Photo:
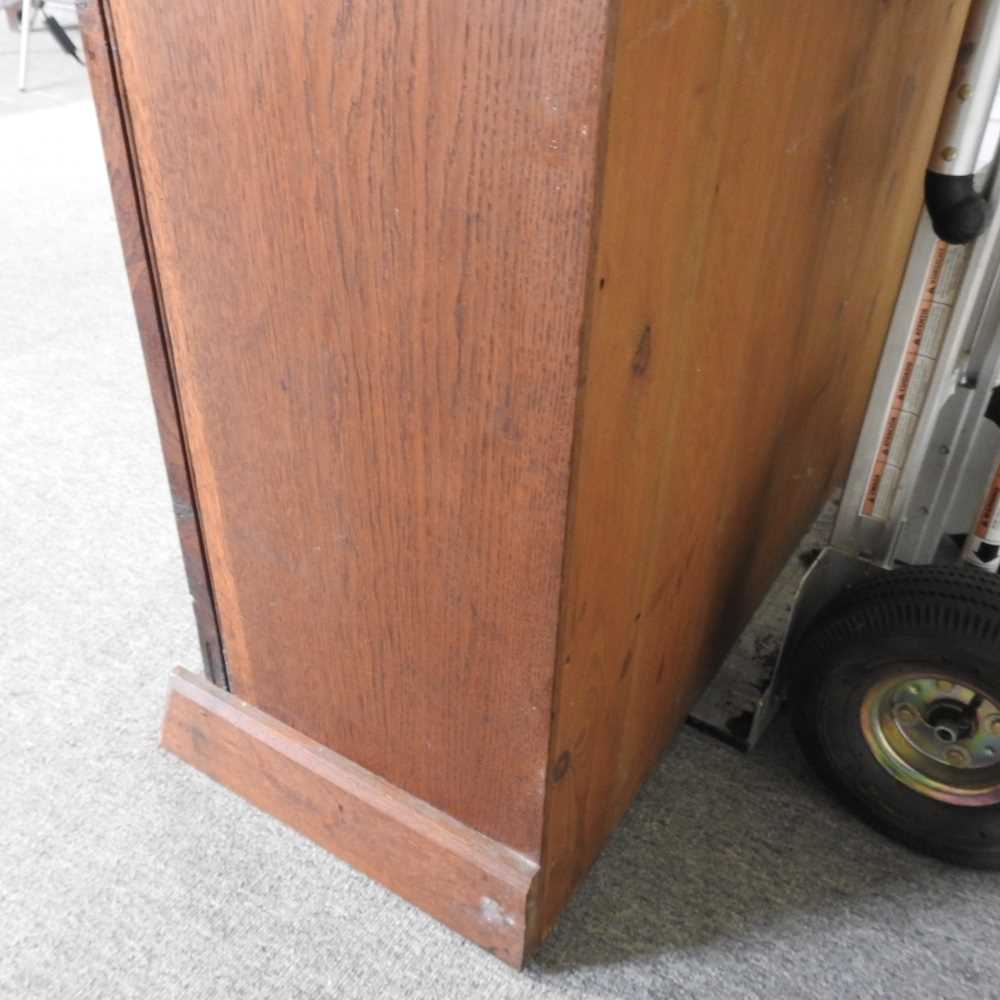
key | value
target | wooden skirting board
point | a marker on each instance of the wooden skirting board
(480, 888)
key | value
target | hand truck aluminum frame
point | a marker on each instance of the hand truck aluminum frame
(924, 485)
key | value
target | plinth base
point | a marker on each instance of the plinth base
(476, 886)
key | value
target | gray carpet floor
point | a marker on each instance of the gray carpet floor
(125, 874)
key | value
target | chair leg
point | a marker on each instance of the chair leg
(27, 18)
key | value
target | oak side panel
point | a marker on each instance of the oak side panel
(476, 886)
(765, 160)
(127, 200)
(372, 224)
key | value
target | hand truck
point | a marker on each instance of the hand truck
(891, 657)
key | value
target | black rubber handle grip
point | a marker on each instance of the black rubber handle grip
(957, 210)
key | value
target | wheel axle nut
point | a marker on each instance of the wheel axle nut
(955, 756)
(906, 714)
(994, 723)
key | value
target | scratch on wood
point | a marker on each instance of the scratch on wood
(493, 913)
(663, 25)
(830, 116)
(183, 510)
(640, 360)
(562, 766)
(626, 666)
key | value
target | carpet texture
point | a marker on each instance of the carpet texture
(125, 874)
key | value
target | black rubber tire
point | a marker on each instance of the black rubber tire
(942, 616)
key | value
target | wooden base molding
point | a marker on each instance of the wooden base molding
(472, 884)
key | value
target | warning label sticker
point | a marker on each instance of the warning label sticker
(988, 525)
(930, 323)
(897, 437)
(881, 489)
(947, 270)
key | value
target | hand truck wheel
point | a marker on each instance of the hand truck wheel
(895, 695)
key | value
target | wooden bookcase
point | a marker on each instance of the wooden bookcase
(501, 351)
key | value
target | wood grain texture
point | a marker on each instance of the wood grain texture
(500, 409)
(763, 181)
(373, 224)
(127, 199)
(476, 886)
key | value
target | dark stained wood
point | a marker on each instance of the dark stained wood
(372, 224)
(764, 170)
(476, 886)
(126, 197)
